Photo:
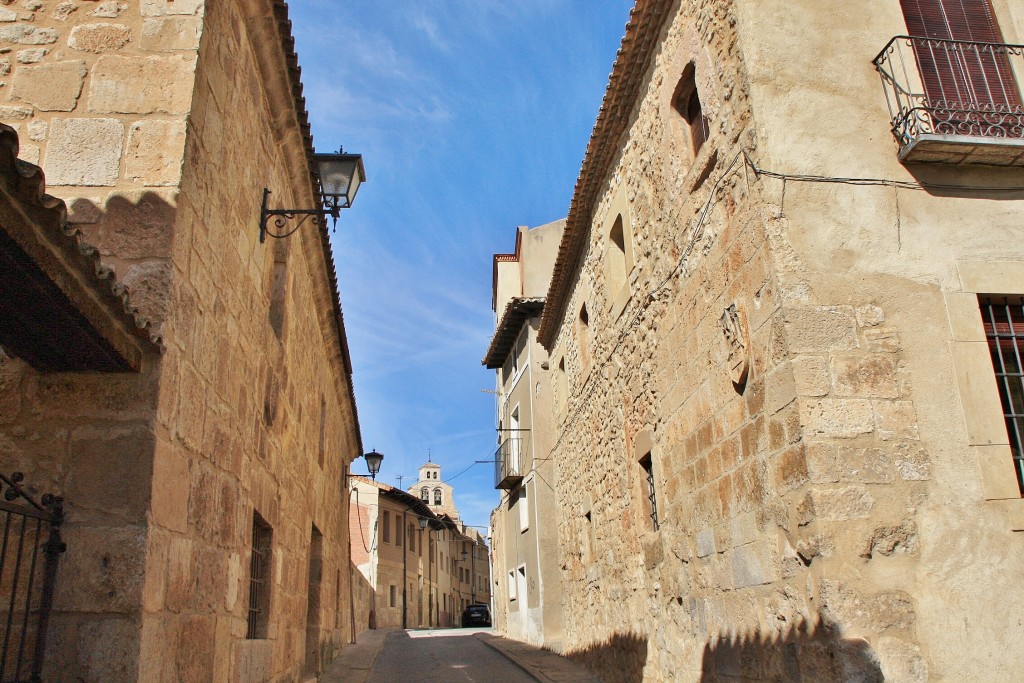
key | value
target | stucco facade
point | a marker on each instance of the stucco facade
(781, 451)
(524, 525)
(159, 123)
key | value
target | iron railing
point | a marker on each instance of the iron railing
(951, 87)
(508, 464)
(1003, 320)
(27, 581)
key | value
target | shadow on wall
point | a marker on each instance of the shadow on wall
(807, 653)
(619, 659)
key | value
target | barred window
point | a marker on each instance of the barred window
(259, 579)
(1004, 328)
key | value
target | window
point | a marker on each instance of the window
(1003, 319)
(398, 531)
(615, 258)
(649, 492)
(583, 334)
(312, 665)
(386, 528)
(686, 101)
(259, 579)
(959, 76)
(411, 535)
(278, 287)
(512, 586)
(323, 431)
(392, 598)
(562, 386)
(437, 497)
(425, 493)
(524, 513)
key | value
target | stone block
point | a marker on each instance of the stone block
(820, 328)
(979, 395)
(882, 340)
(706, 543)
(985, 277)
(869, 315)
(149, 283)
(31, 56)
(964, 312)
(139, 224)
(97, 453)
(869, 376)
(169, 507)
(253, 660)
(64, 10)
(754, 565)
(108, 650)
(84, 152)
(50, 87)
(811, 374)
(26, 34)
(837, 418)
(103, 570)
(157, 8)
(864, 465)
(8, 114)
(169, 34)
(745, 529)
(791, 468)
(901, 662)
(109, 9)
(900, 539)
(99, 37)
(912, 462)
(155, 152)
(998, 478)
(850, 502)
(7, 15)
(37, 130)
(142, 85)
(822, 466)
(194, 655)
(895, 420)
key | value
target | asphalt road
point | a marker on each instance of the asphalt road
(443, 656)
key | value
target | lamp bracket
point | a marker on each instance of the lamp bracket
(275, 222)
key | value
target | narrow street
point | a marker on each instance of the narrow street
(448, 656)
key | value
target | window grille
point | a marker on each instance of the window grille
(1004, 328)
(652, 501)
(259, 579)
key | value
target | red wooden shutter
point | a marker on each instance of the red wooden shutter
(961, 77)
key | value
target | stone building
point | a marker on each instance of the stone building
(196, 412)
(412, 559)
(433, 491)
(782, 451)
(528, 596)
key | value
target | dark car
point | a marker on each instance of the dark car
(476, 615)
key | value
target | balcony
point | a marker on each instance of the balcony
(954, 101)
(508, 464)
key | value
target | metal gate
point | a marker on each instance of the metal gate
(29, 552)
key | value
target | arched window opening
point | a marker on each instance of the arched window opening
(425, 495)
(437, 497)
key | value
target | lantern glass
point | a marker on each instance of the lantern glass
(373, 461)
(340, 178)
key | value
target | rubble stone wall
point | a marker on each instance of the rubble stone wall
(813, 517)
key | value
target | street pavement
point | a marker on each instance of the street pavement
(448, 656)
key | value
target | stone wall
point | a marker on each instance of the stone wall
(160, 123)
(786, 362)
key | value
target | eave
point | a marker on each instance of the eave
(517, 312)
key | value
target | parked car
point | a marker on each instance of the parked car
(476, 615)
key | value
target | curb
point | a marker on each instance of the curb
(543, 665)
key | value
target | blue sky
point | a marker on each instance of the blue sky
(472, 117)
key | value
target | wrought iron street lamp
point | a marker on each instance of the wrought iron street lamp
(373, 461)
(341, 176)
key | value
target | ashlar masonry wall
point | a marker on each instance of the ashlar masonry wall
(160, 123)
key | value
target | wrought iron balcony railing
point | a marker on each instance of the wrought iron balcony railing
(954, 101)
(509, 462)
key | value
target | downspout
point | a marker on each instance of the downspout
(351, 580)
(405, 572)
